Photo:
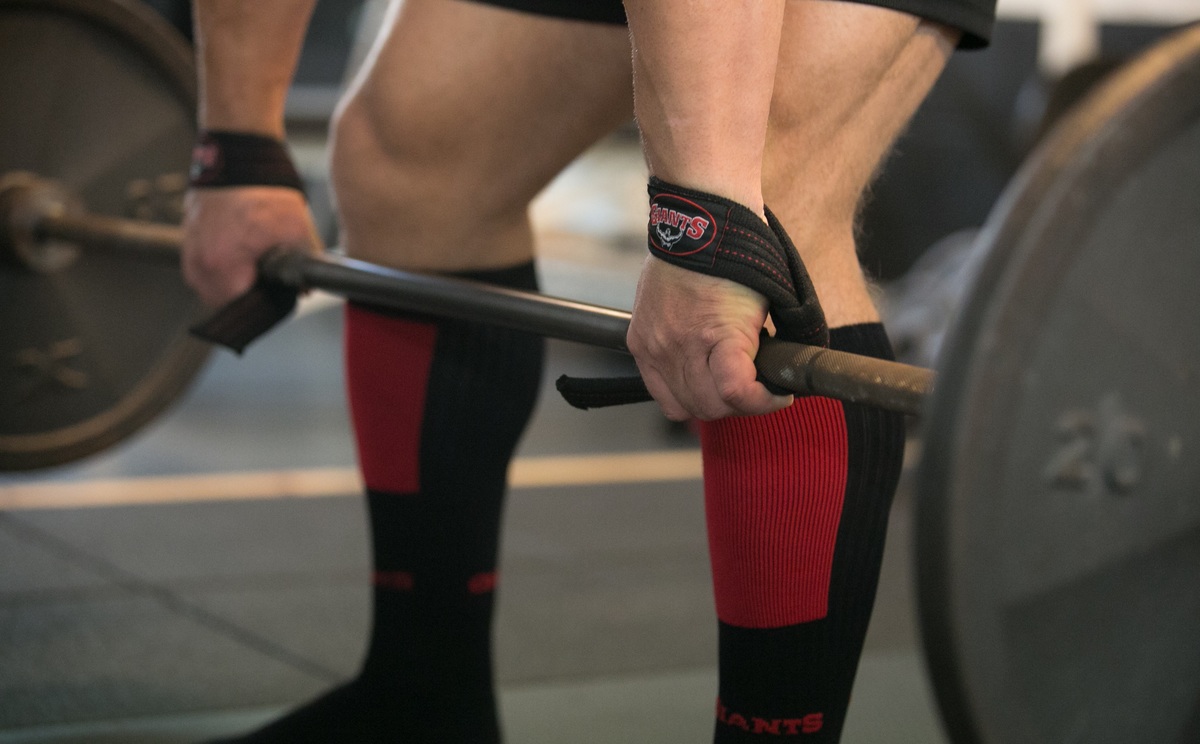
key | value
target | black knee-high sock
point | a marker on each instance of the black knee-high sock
(437, 409)
(797, 507)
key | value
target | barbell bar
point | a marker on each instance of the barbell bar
(36, 214)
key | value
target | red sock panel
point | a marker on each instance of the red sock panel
(387, 362)
(773, 488)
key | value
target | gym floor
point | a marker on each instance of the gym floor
(212, 572)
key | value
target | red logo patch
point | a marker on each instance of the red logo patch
(680, 226)
(206, 161)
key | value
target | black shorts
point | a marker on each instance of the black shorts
(973, 17)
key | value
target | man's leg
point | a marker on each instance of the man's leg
(798, 500)
(849, 79)
(464, 113)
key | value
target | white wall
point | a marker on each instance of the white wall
(1118, 11)
(1069, 32)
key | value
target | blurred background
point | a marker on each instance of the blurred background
(212, 571)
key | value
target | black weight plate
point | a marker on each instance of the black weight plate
(1058, 520)
(98, 95)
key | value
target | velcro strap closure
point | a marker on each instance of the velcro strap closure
(716, 236)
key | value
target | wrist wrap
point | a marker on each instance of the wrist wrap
(713, 235)
(223, 158)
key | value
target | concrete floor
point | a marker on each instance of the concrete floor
(199, 603)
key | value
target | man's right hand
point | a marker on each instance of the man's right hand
(227, 230)
(694, 338)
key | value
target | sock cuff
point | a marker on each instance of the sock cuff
(518, 276)
(521, 276)
(868, 339)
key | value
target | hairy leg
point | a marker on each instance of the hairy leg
(703, 71)
(849, 78)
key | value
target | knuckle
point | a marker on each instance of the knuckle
(709, 337)
(633, 341)
(649, 345)
(674, 413)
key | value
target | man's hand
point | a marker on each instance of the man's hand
(227, 230)
(694, 338)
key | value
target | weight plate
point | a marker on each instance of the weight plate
(98, 95)
(1058, 518)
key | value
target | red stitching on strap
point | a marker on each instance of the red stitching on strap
(758, 239)
(759, 262)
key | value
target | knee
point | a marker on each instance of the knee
(415, 193)
(369, 175)
(397, 178)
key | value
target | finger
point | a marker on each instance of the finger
(699, 392)
(217, 281)
(236, 282)
(736, 379)
(217, 285)
(661, 392)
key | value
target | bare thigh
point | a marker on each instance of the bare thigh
(850, 77)
(464, 113)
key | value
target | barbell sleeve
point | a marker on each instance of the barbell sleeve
(115, 233)
(854, 378)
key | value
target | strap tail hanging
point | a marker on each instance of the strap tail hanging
(246, 318)
(599, 392)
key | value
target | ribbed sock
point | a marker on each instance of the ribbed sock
(437, 410)
(797, 505)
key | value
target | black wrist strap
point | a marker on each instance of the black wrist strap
(222, 159)
(716, 236)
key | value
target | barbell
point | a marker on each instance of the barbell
(1058, 492)
(46, 230)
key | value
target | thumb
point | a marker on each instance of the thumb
(736, 379)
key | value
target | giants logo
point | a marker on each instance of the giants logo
(206, 161)
(680, 226)
(809, 724)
